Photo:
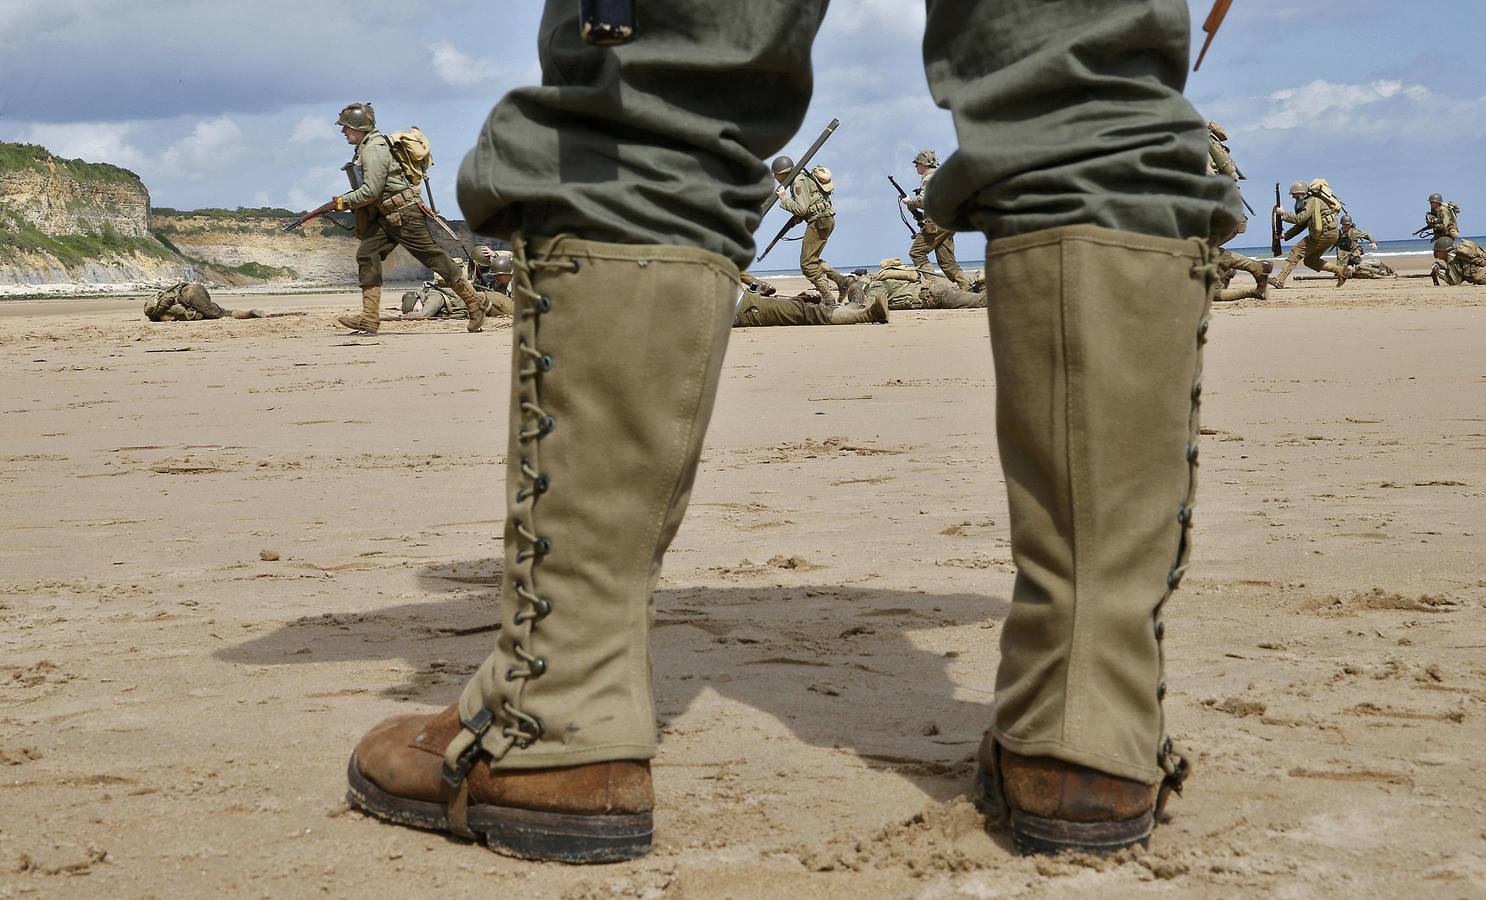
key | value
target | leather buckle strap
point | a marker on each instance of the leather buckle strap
(1176, 762)
(476, 726)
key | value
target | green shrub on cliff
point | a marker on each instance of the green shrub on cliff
(20, 157)
(19, 236)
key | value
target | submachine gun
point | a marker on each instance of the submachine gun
(789, 180)
(1276, 223)
(918, 214)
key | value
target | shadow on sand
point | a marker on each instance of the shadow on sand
(837, 665)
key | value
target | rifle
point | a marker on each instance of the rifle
(447, 230)
(1426, 231)
(793, 221)
(314, 214)
(800, 166)
(918, 214)
(1245, 203)
(1211, 26)
(1275, 221)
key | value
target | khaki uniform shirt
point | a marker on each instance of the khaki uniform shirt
(901, 287)
(916, 199)
(806, 200)
(381, 174)
(1444, 223)
(1310, 212)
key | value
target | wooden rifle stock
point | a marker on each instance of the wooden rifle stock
(793, 221)
(1275, 220)
(314, 214)
(1211, 25)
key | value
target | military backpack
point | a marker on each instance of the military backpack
(410, 149)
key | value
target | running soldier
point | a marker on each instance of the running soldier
(809, 198)
(1443, 220)
(1220, 162)
(1079, 160)
(389, 215)
(1317, 217)
(931, 237)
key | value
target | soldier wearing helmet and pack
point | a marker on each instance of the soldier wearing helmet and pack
(931, 237)
(809, 198)
(1443, 219)
(490, 272)
(188, 301)
(1315, 213)
(389, 215)
(1220, 162)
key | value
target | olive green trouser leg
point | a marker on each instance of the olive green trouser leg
(759, 312)
(812, 245)
(1230, 260)
(1096, 336)
(554, 158)
(942, 244)
(616, 353)
(1309, 249)
(943, 295)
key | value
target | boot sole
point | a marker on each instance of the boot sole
(1035, 835)
(524, 833)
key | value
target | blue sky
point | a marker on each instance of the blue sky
(221, 104)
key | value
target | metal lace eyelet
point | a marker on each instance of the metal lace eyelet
(1184, 515)
(544, 304)
(576, 265)
(542, 546)
(546, 362)
(1160, 630)
(1161, 691)
(1192, 454)
(547, 424)
(1173, 579)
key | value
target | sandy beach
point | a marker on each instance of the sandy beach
(232, 547)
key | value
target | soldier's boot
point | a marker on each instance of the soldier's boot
(841, 283)
(546, 753)
(371, 312)
(856, 314)
(473, 303)
(1261, 282)
(1103, 328)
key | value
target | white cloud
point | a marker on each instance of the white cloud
(91, 141)
(210, 150)
(893, 17)
(1302, 106)
(458, 68)
(314, 130)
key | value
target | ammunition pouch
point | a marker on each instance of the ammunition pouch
(398, 202)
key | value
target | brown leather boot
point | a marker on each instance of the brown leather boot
(1054, 806)
(371, 312)
(1261, 284)
(579, 814)
(474, 304)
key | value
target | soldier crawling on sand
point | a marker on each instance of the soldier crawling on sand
(761, 306)
(188, 301)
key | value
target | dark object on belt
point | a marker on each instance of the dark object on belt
(606, 23)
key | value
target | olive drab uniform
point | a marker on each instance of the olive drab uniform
(932, 238)
(1220, 162)
(1078, 154)
(1466, 264)
(389, 215)
(1351, 250)
(190, 302)
(910, 287)
(811, 201)
(1315, 217)
(757, 309)
(1445, 223)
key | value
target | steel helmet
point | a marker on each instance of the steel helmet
(1299, 187)
(926, 157)
(502, 263)
(1436, 198)
(1217, 131)
(782, 165)
(359, 116)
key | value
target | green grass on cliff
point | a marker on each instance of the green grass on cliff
(236, 215)
(19, 236)
(20, 157)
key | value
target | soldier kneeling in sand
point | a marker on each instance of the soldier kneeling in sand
(188, 301)
(490, 274)
(1465, 264)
